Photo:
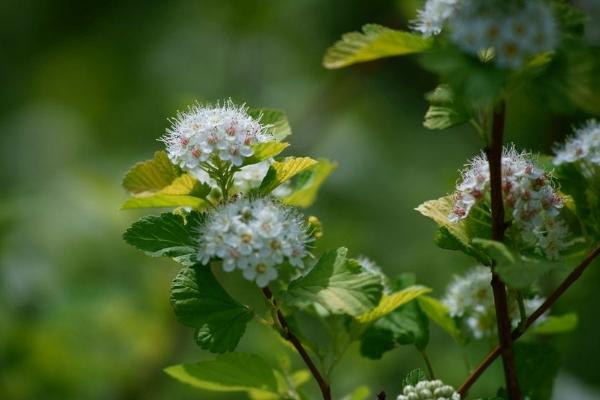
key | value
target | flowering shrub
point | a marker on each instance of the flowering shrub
(234, 204)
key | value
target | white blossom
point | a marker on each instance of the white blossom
(432, 17)
(583, 148)
(514, 32)
(255, 236)
(429, 390)
(205, 135)
(470, 298)
(530, 200)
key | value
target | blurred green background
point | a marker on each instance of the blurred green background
(86, 89)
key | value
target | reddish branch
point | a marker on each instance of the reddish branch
(293, 339)
(517, 333)
(503, 321)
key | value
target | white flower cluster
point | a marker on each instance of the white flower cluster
(529, 198)
(432, 17)
(204, 134)
(429, 390)
(470, 297)
(583, 148)
(254, 236)
(514, 32)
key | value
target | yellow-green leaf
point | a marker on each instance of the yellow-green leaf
(264, 151)
(282, 171)
(375, 41)
(181, 185)
(233, 372)
(458, 235)
(305, 190)
(151, 175)
(557, 324)
(438, 313)
(276, 121)
(389, 302)
(164, 201)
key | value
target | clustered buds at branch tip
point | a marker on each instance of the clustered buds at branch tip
(530, 200)
(429, 390)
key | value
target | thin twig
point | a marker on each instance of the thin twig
(427, 363)
(293, 339)
(541, 310)
(494, 153)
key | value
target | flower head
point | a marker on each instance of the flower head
(470, 299)
(514, 32)
(205, 134)
(432, 17)
(583, 148)
(529, 199)
(429, 390)
(255, 236)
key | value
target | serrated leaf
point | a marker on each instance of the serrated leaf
(336, 285)
(555, 324)
(200, 302)
(264, 151)
(234, 372)
(390, 302)
(279, 126)
(151, 175)
(437, 312)
(457, 235)
(164, 201)
(305, 186)
(374, 42)
(413, 377)
(282, 171)
(168, 235)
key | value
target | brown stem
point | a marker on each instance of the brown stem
(293, 339)
(503, 321)
(381, 396)
(517, 333)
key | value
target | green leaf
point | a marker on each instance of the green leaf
(234, 372)
(413, 377)
(443, 117)
(405, 325)
(305, 186)
(151, 175)
(264, 151)
(458, 235)
(360, 393)
(336, 285)
(438, 313)
(374, 42)
(557, 324)
(165, 201)
(200, 302)
(282, 171)
(524, 272)
(279, 126)
(166, 235)
(537, 365)
(390, 302)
